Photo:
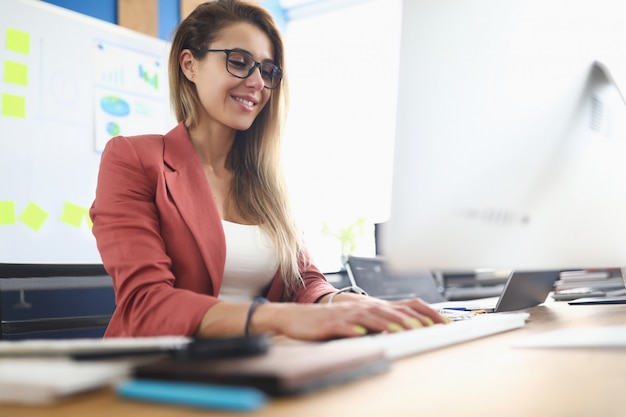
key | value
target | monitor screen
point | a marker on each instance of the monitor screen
(510, 144)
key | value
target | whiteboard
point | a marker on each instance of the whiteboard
(68, 83)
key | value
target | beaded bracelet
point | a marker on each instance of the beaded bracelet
(353, 289)
(253, 306)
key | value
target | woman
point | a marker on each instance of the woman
(195, 224)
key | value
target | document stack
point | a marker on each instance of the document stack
(600, 280)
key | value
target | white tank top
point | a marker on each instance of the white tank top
(251, 262)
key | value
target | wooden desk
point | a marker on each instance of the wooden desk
(481, 378)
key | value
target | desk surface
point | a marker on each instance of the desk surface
(485, 377)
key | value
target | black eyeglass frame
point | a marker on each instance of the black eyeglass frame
(277, 72)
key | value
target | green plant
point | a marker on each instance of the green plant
(347, 236)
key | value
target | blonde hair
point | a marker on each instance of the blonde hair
(258, 187)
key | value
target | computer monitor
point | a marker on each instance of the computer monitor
(510, 147)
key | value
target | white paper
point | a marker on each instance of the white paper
(577, 337)
(43, 381)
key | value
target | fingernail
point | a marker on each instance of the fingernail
(447, 320)
(359, 329)
(429, 321)
(394, 327)
(414, 323)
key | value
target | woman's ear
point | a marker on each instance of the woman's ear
(186, 62)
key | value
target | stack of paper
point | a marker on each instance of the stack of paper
(604, 280)
(43, 381)
(41, 371)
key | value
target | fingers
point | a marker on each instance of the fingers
(373, 318)
(413, 307)
(353, 318)
(388, 317)
(422, 311)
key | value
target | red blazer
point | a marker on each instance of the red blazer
(160, 237)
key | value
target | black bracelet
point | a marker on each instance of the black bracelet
(253, 306)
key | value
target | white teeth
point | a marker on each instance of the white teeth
(246, 102)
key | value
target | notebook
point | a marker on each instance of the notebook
(289, 368)
(522, 290)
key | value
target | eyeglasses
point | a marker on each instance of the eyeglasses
(241, 65)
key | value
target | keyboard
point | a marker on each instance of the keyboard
(410, 342)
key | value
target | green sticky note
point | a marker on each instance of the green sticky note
(15, 73)
(7, 212)
(13, 106)
(73, 214)
(33, 216)
(18, 41)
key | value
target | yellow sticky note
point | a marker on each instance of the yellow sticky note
(73, 214)
(13, 106)
(33, 216)
(15, 73)
(18, 41)
(7, 212)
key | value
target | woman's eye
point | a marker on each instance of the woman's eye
(238, 63)
(267, 73)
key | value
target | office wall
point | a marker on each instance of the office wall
(156, 18)
(102, 9)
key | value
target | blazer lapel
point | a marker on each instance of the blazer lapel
(190, 191)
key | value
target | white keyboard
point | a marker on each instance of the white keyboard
(410, 342)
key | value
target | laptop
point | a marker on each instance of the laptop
(522, 290)
(373, 276)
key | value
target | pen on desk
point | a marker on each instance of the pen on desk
(456, 308)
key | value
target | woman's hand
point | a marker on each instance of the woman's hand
(349, 318)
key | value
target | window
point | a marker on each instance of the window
(342, 67)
